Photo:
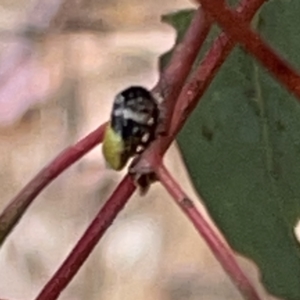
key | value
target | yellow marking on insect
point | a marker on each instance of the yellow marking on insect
(113, 149)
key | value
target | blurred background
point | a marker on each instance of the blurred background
(61, 63)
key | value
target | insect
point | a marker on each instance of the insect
(132, 126)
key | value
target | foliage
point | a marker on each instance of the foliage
(241, 147)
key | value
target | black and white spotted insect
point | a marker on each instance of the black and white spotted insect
(132, 126)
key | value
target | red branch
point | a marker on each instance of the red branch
(183, 57)
(194, 89)
(203, 76)
(16, 208)
(89, 240)
(223, 253)
(14, 211)
(252, 42)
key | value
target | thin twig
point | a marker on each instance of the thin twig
(174, 76)
(194, 88)
(210, 65)
(240, 31)
(222, 252)
(16, 208)
(88, 241)
(12, 214)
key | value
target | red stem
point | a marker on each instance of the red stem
(16, 208)
(89, 240)
(14, 211)
(222, 252)
(210, 65)
(240, 31)
(194, 89)
(183, 57)
(176, 73)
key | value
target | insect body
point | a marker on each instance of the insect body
(132, 126)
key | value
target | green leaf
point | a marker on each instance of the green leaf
(180, 20)
(242, 149)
